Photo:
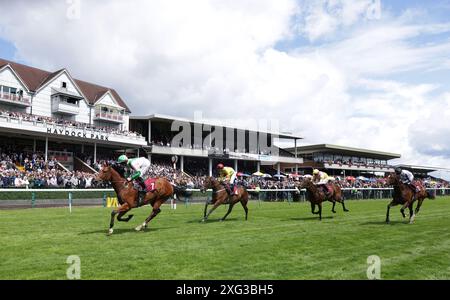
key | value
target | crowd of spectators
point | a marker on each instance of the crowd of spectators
(66, 123)
(27, 169)
(356, 163)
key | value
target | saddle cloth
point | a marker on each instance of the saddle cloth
(150, 184)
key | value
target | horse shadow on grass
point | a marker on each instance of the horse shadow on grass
(308, 218)
(214, 220)
(124, 230)
(383, 223)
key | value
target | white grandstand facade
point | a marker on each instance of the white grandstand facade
(68, 119)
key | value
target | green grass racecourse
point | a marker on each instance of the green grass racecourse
(279, 241)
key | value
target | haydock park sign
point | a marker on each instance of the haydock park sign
(78, 133)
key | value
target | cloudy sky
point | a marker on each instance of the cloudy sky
(368, 73)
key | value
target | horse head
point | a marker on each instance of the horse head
(392, 179)
(105, 173)
(208, 183)
(306, 183)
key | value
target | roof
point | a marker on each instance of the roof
(344, 150)
(420, 169)
(35, 78)
(161, 117)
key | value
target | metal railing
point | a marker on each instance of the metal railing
(15, 98)
(260, 195)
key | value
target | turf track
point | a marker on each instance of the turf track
(279, 241)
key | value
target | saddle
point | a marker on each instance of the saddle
(150, 185)
(327, 189)
(228, 189)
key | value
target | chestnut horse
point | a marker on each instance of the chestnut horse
(404, 195)
(316, 196)
(127, 196)
(220, 196)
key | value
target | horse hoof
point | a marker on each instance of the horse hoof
(333, 211)
(110, 231)
(346, 210)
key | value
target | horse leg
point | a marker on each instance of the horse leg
(402, 210)
(206, 207)
(419, 204)
(230, 207)
(332, 209)
(320, 211)
(244, 205)
(128, 218)
(211, 210)
(123, 209)
(388, 208)
(155, 211)
(313, 206)
(412, 216)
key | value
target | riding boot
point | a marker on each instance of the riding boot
(141, 183)
(142, 191)
(228, 188)
(414, 189)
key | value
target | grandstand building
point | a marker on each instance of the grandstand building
(245, 150)
(60, 116)
(341, 160)
(74, 121)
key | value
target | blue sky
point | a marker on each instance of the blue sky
(327, 70)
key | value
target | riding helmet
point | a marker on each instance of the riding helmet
(123, 158)
(220, 166)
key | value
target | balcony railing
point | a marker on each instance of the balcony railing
(64, 107)
(105, 116)
(15, 99)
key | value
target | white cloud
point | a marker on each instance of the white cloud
(176, 57)
(323, 18)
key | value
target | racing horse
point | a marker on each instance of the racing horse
(220, 196)
(316, 196)
(127, 195)
(403, 194)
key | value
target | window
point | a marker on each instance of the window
(64, 85)
(71, 100)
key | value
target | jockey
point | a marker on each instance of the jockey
(321, 179)
(228, 175)
(406, 177)
(140, 165)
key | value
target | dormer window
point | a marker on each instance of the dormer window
(64, 85)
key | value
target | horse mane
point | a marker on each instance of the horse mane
(119, 169)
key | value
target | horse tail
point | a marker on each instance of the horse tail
(431, 194)
(179, 191)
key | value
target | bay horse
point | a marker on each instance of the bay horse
(127, 195)
(403, 194)
(220, 196)
(316, 196)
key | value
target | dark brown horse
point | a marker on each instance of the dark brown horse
(127, 196)
(316, 196)
(404, 194)
(220, 196)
